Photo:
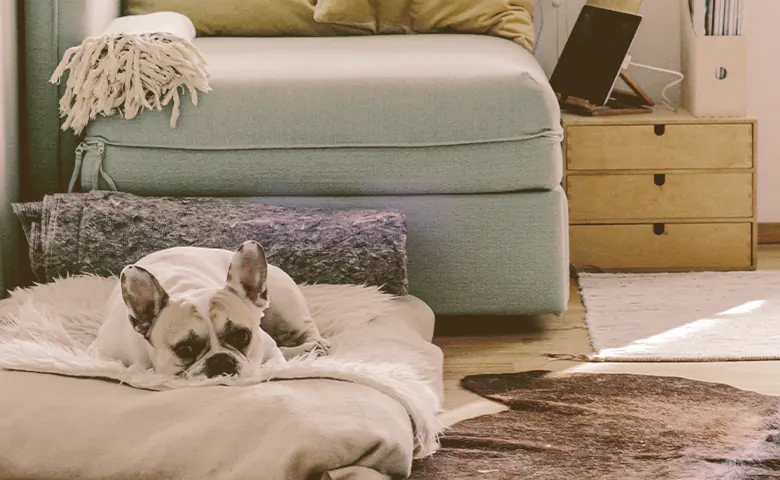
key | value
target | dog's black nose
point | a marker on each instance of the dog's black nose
(221, 364)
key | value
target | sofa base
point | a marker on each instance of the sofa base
(491, 254)
(469, 253)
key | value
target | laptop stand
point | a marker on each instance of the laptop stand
(621, 102)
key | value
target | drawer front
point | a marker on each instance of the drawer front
(650, 147)
(660, 196)
(643, 247)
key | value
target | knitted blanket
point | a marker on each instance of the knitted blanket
(101, 232)
(137, 62)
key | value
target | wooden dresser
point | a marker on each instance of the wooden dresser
(661, 192)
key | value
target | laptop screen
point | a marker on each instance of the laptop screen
(591, 59)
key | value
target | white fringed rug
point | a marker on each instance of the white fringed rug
(683, 317)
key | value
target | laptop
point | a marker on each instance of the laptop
(594, 54)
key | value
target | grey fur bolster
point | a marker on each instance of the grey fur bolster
(101, 232)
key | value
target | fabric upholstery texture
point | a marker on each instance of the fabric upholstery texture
(512, 19)
(460, 132)
(420, 90)
(476, 254)
(488, 254)
(479, 254)
(50, 28)
(415, 119)
(481, 168)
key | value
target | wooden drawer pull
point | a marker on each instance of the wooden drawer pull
(659, 179)
(659, 129)
(658, 228)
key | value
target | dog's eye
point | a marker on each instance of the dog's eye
(187, 350)
(239, 339)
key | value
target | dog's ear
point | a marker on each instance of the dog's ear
(144, 298)
(248, 273)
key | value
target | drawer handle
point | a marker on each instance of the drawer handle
(658, 228)
(659, 129)
(659, 179)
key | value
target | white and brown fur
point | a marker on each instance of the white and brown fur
(206, 312)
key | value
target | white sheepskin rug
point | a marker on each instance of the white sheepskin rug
(47, 329)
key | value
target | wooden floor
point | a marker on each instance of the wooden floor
(523, 346)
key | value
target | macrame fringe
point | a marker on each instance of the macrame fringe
(126, 73)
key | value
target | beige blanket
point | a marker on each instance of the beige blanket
(60, 427)
(314, 419)
(141, 62)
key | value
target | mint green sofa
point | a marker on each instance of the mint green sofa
(461, 132)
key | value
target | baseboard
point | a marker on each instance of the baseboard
(768, 233)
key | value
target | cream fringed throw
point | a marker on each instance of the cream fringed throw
(138, 62)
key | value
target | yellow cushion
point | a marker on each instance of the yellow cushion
(262, 18)
(512, 19)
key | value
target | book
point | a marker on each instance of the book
(740, 15)
(717, 17)
(699, 16)
(710, 14)
(727, 17)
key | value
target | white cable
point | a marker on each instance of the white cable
(679, 80)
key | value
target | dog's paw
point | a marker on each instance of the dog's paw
(323, 344)
(317, 347)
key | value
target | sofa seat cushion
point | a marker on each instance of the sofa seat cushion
(455, 106)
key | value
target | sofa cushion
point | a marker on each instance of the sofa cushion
(252, 17)
(511, 19)
(451, 105)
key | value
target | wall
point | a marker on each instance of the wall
(658, 44)
(9, 144)
(763, 40)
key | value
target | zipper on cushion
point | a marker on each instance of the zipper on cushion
(91, 182)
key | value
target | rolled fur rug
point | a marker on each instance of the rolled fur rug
(101, 232)
(138, 62)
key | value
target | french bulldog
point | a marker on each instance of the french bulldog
(194, 311)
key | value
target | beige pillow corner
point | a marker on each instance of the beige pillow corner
(257, 18)
(511, 19)
(349, 13)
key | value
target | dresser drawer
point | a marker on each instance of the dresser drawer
(660, 196)
(657, 147)
(662, 247)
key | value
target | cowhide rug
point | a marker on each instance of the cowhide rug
(587, 426)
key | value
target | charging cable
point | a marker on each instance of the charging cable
(679, 80)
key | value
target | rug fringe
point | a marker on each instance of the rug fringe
(128, 73)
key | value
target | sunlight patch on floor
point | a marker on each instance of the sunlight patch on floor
(647, 345)
(744, 308)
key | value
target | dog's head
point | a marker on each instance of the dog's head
(208, 333)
